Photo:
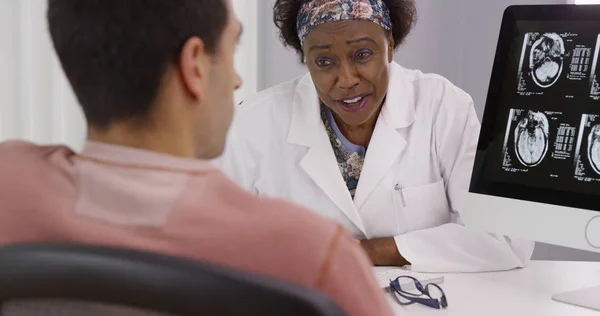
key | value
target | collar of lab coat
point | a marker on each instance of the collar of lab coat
(307, 129)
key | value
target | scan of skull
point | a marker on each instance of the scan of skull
(531, 139)
(546, 59)
(594, 148)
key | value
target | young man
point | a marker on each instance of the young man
(155, 79)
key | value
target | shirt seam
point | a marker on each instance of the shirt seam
(326, 264)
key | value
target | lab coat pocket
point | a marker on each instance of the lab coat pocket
(423, 206)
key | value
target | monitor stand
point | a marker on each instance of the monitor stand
(588, 297)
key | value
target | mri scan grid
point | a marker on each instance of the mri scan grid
(546, 110)
(587, 153)
(550, 60)
(527, 140)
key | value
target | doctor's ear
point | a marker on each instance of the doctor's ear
(391, 42)
(194, 62)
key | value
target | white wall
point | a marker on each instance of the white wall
(276, 63)
(36, 102)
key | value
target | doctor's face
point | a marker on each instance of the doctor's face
(349, 64)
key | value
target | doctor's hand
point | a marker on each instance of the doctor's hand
(383, 252)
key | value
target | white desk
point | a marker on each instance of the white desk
(519, 292)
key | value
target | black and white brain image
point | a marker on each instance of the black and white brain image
(531, 139)
(594, 148)
(546, 59)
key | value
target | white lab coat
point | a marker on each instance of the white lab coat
(414, 179)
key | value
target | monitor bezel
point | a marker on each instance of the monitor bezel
(479, 184)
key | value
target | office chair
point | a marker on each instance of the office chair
(82, 280)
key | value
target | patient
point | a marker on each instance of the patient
(155, 80)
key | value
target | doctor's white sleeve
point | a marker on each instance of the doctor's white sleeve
(453, 247)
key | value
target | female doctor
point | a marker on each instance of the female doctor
(385, 151)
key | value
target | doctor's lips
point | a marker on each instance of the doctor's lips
(353, 103)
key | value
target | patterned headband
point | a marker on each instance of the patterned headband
(316, 12)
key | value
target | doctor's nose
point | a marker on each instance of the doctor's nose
(347, 77)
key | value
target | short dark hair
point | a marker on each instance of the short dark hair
(403, 14)
(115, 52)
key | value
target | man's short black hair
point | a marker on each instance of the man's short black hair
(115, 52)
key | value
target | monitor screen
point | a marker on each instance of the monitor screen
(540, 136)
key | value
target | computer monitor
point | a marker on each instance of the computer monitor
(537, 168)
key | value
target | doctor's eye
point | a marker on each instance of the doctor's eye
(362, 55)
(322, 62)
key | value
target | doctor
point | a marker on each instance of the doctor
(384, 150)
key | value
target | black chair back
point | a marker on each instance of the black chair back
(145, 281)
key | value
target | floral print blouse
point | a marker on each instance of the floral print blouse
(350, 157)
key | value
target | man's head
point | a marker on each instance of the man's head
(159, 68)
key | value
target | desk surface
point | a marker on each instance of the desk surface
(525, 291)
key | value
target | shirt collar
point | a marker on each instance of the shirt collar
(140, 158)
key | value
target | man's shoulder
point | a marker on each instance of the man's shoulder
(281, 219)
(13, 146)
(302, 234)
(28, 170)
(18, 152)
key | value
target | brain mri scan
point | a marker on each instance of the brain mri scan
(594, 148)
(546, 59)
(531, 139)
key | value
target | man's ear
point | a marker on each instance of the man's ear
(193, 65)
(391, 44)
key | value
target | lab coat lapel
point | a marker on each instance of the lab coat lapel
(387, 143)
(319, 163)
